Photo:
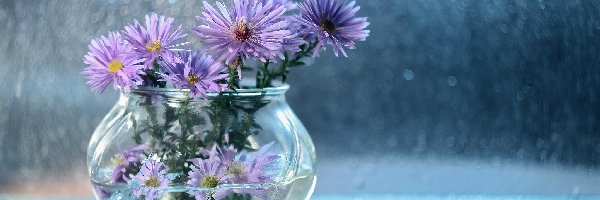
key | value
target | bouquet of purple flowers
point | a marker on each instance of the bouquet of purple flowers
(265, 37)
(279, 34)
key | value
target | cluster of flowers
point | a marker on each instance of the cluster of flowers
(149, 178)
(263, 30)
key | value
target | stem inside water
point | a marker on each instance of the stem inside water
(176, 139)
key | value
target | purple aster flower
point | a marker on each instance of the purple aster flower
(150, 181)
(248, 170)
(226, 155)
(208, 174)
(111, 60)
(292, 43)
(197, 72)
(333, 22)
(289, 5)
(248, 29)
(126, 163)
(156, 40)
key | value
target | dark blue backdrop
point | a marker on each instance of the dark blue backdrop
(441, 92)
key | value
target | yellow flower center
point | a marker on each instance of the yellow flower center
(193, 79)
(241, 31)
(118, 160)
(328, 26)
(115, 66)
(210, 182)
(235, 168)
(152, 182)
(153, 46)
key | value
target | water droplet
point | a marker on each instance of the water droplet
(96, 17)
(18, 83)
(124, 10)
(172, 1)
(408, 74)
(452, 81)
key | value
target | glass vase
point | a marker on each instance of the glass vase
(160, 144)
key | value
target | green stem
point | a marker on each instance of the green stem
(263, 77)
(234, 80)
(286, 64)
(304, 53)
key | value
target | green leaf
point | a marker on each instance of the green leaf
(297, 63)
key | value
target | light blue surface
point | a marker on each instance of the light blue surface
(380, 197)
(450, 197)
(9, 197)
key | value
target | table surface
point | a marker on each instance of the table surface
(375, 196)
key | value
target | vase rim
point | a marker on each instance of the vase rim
(245, 91)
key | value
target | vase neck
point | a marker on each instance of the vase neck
(169, 95)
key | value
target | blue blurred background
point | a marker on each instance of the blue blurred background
(445, 96)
